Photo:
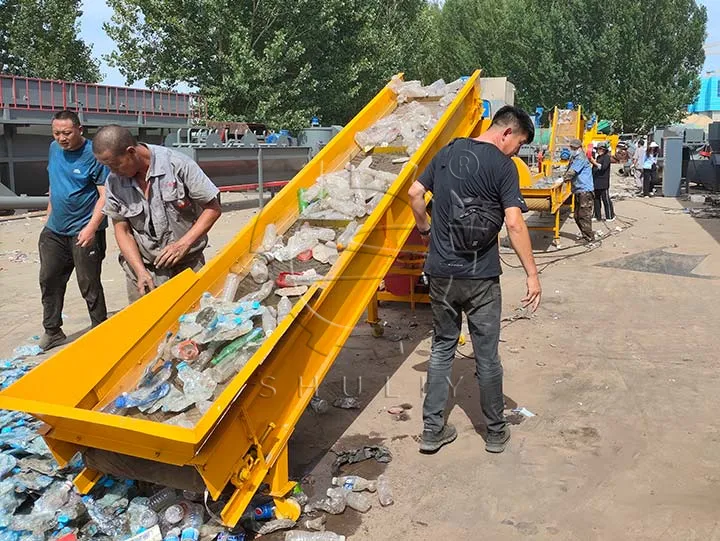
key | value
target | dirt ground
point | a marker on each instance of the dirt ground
(618, 365)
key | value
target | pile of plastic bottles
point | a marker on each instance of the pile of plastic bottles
(214, 343)
(412, 121)
(351, 193)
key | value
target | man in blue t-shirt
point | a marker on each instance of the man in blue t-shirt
(74, 234)
(579, 171)
(475, 188)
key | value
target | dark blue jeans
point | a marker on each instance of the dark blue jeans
(481, 301)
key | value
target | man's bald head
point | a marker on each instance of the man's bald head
(117, 148)
(113, 139)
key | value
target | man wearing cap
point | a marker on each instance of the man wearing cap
(579, 171)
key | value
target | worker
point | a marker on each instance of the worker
(638, 160)
(579, 171)
(650, 169)
(601, 183)
(162, 206)
(74, 232)
(475, 188)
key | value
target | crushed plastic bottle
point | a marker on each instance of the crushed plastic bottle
(142, 396)
(108, 523)
(53, 498)
(72, 510)
(384, 491)
(7, 464)
(222, 372)
(343, 240)
(259, 271)
(38, 523)
(319, 405)
(283, 309)
(315, 524)
(358, 501)
(354, 483)
(28, 350)
(334, 503)
(270, 237)
(300, 535)
(269, 320)
(261, 294)
(197, 386)
(230, 288)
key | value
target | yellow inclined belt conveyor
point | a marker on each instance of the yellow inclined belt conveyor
(241, 441)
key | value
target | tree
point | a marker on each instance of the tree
(272, 61)
(626, 60)
(39, 38)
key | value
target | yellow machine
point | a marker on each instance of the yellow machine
(241, 441)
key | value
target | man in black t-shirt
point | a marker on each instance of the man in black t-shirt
(472, 179)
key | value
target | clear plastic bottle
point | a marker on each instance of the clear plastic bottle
(197, 386)
(261, 294)
(343, 240)
(384, 491)
(173, 535)
(319, 405)
(269, 320)
(283, 309)
(230, 288)
(354, 483)
(192, 523)
(259, 271)
(269, 238)
(140, 516)
(186, 350)
(163, 499)
(300, 535)
(222, 372)
(176, 512)
(358, 501)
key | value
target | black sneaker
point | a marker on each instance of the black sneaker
(51, 339)
(432, 441)
(496, 441)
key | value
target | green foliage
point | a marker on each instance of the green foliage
(282, 62)
(39, 38)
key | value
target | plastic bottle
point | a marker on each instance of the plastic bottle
(384, 491)
(142, 396)
(222, 372)
(191, 525)
(197, 386)
(300, 535)
(176, 512)
(163, 499)
(269, 238)
(259, 271)
(261, 294)
(283, 309)
(173, 535)
(358, 501)
(140, 516)
(235, 346)
(269, 320)
(230, 288)
(298, 494)
(265, 512)
(109, 524)
(343, 240)
(354, 483)
(72, 510)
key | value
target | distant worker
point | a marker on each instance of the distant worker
(650, 169)
(475, 188)
(601, 182)
(74, 233)
(162, 206)
(579, 171)
(638, 160)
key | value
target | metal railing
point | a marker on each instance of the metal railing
(30, 93)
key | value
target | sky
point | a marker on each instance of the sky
(96, 12)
